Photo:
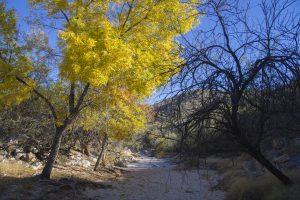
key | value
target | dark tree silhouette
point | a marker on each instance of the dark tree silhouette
(246, 49)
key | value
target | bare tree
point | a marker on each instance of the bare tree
(245, 49)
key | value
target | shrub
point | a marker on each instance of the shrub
(264, 188)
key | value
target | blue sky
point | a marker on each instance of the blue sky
(23, 9)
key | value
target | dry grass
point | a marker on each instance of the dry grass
(14, 172)
(15, 169)
(19, 182)
(264, 188)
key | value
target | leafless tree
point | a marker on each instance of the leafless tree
(242, 50)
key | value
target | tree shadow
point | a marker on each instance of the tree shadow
(34, 188)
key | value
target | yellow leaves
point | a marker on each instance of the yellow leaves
(61, 4)
(119, 114)
(13, 92)
(12, 63)
(97, 77)
(52, 6)
(123, 50)
(131, 46)
(7, 22)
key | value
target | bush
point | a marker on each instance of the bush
(264, 188)
(163, 147)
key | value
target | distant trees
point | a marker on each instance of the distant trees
(105, 49)
(241, 61)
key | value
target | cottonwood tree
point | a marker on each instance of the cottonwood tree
(128, 43)
(246, 49)
(116, 116)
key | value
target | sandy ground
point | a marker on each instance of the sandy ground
(147, 179)
(156, 180)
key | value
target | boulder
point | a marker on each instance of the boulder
(20, 156)
(279, 143)
(249, 165)
(36, 165)
(281, 159)
(86, 163)
(252, 167)
(94, 159)
(34, 150)
(120, 163)
(3, 153)
(15, 152)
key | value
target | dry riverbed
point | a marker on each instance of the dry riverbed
(153, 179)
(146, 179)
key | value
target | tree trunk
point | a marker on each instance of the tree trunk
(53, 153)
(101, 154)
(266, 163)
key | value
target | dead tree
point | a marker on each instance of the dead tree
(240, 48)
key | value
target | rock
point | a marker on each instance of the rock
(3, 153)
(36, 165)
(12, 159)
(146, 152)
(120, 163)
(86, 163)
(282, 159)
(253, 167)
(20, 162)
(279, 143)
(11, 141)
(249, 165)
(34, 150)
(71, 163)
(128, 155)
(15, 152)
(19, 156)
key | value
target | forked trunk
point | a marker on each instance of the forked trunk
(53, 153)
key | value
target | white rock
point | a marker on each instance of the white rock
(36, 165)
(3, 153)
(20, 162)
(86, 163)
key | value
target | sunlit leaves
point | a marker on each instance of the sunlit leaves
(130, 42)
(12, 62)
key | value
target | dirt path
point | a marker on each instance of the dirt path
(154, 179)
